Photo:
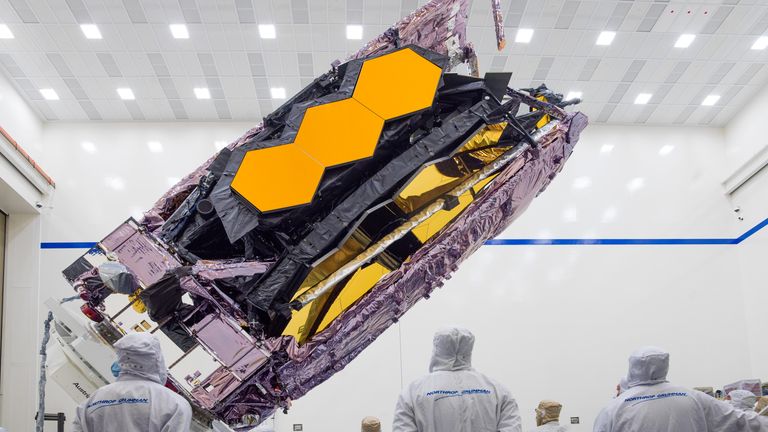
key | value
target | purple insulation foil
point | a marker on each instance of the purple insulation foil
(498, 23)
(178, 248)
(330, 351)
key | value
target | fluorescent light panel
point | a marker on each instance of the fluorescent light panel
(354, 32)
(267, 31)
(202, 93)
(179, 31)
(605, 38)
(761, 43)
(685, 40)
(277, 92)
(91, 31)
(49, 94)
(524, 35)
(643, 98)
(126, 94)
(710, 100)
(5, 32)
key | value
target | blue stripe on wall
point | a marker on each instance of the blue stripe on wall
(538, 242)
(67, 245)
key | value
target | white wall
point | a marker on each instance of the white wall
(22, 267)
(745, 138)
(745, 134)
(551, 321)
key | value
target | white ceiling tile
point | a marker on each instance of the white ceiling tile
(153, 11)
(720, 62)
(234, 38)
(227, 12)
(42, 11)
(200, 109)
(273, 64)
(223, 64)
(245, 109)
(139, 37)
(236, 87)
(611, 69)
(175, 64)
(62, 12)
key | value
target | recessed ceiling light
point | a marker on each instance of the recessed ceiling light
(710, 100)
(685, 40)
(573, 95)
(220, 145)
(155, 146)
(91, 31)
(665, 150)
(761, 43)
(277, 92)
(49, 94)
(179, 31)
(354, 32)
(202, 93)
(636, 183)
(606, 148)
(605, 38)
(88, 146)
(5, 32)
(126, 94)
(524, 35)
(643, 98)
(267, 31)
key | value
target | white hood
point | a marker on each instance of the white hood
(140, 356)
(743, 399)
(648, 366)
(452, 350)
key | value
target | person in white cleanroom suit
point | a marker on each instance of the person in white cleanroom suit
(138, 401)
(454, 397)
(744, 400)
(651, 403)
(548, 417)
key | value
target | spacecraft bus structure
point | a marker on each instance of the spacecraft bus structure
(278, 261)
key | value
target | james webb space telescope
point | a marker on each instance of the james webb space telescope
(278, 261)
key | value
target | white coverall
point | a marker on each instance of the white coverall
(138, 401)
(744, 400)
(653, 404)
(550, 427)
(454, 397)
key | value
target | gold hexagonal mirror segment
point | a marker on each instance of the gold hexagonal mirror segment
(398, 83)
(277, 178)
(339, 132)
